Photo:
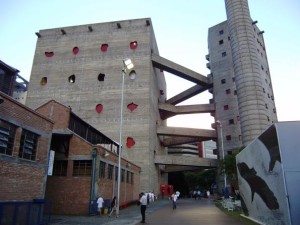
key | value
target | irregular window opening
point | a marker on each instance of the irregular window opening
(130, 142)
(228, 91)
(161, 92)
(231, 121)
(43, 81)
(49, 54)
(72, 78)
(132, 106)
(104, 47)
(133, 45)
(221, 42)
(132, 74)
(223, 81)
(228, 137)
(75, 50)
(226, 107)
(99, 108)
(101, 77)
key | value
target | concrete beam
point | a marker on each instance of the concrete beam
(191, 92)
(176, 69)
(185, 161)
(167, 142)
(169, 168)
(168, 110)
(186, 132)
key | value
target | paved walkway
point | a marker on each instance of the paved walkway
(188, 212)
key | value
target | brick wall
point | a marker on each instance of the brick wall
(23, 179)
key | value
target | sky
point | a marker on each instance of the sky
(181, 28)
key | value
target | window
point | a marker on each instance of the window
(132, 181)
(72, 79)
(235, 92)
(60, 168)
(101, 77)
(110, 171)
(221, 42)
(226, 107)
(228, 91)
(102, 169)
(122, 175)
(224, 54)
(231, 121)
(221, 32)
(7, 137)
(116, 173)
(228, 137)
(28, 145)
(82, 168)
(128, 177)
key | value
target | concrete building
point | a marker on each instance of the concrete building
(81, 67)
(12, 84)
(242, 91)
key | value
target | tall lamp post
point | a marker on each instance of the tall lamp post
(127, 65)
(222, 149)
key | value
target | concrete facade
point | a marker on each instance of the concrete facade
(81, 67)
(242, 91)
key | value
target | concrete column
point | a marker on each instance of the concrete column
(251, 103)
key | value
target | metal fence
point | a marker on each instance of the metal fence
(35, 212)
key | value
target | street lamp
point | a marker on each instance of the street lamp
(92, 192)
(222, 149)
(127, 65)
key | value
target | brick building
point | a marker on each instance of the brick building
(25, 137)
(85, 164)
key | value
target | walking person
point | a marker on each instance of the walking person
(113, 206)
(100, 204)
(143, 203)
(174, 199)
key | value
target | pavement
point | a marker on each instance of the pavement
(189, 212)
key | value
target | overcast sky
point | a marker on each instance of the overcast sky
(180, 27)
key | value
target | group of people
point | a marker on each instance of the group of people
(113, 205)
(197, 194)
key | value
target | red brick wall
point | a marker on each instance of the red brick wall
(22, 179)
(56, 112)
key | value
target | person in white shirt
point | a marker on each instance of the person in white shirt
(174, 199)
(143, 202)
(100, 204)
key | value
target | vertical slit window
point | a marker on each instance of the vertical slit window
(28, 145)
(7, 137)
(60, 168)
(102, 169)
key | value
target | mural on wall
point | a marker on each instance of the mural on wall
(261, 181)
(258, 186)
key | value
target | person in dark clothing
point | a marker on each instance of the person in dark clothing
(143, 201)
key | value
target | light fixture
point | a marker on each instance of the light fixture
(127, 65)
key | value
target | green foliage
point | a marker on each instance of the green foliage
(200, 179)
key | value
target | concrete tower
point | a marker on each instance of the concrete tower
(81, 66)
(242, 84)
